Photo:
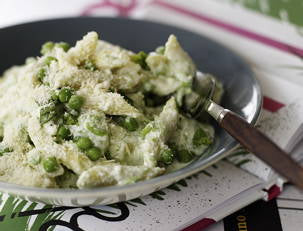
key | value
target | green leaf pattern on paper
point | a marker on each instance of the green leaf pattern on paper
(15, 218)
(285, 10)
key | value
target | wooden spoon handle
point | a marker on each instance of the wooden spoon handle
(260, 145)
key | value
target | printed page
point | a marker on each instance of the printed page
(177, 206)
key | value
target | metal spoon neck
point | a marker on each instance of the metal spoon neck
(215, 110)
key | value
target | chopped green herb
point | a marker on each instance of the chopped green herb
(146, 129)
(201, 138)
(167, 156)
(54, 96)
(47, 113)
(140, 58)
(96, 131)
(70, 119)
(59, 108)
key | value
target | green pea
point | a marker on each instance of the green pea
(140, 58)
(63, 132)
(65, 46)
(84, 143)
(75, 102)
(47, 47)
(201, 138)
(70, 119)
(49, 60)
(167, 156)
(96, 131)
(47, 113)
(94, 153)
(41, 74)
(184, 156)
(89, 65)
(64, 95)
(50, 164)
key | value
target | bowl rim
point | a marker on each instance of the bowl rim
(186, 171)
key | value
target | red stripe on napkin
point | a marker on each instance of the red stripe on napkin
(271, 105)
(122, 9)
(202, 224)
(234, 29)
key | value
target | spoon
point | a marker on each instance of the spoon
(248, 136)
